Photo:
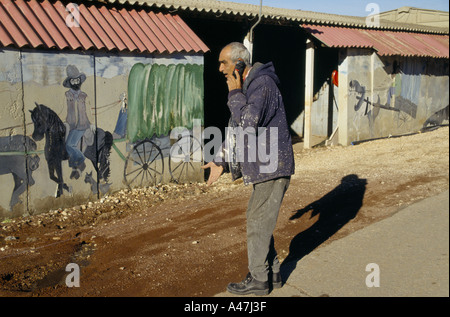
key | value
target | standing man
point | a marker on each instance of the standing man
(258, 115)
(77, 122)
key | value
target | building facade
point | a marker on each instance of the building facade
(87, 100)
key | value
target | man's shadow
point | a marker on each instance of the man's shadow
(335, 209)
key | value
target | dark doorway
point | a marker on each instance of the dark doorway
(281, 42)
(216, 34)
(283, 45)
(326, 61)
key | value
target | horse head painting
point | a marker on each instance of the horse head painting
(48, 125)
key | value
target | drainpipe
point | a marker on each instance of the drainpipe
(248, 41)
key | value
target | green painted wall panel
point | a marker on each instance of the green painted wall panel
(162, 97)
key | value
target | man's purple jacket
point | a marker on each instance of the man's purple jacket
(258, 144)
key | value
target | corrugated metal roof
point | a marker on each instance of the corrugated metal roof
(384, 42)
(277, 14)
(32, 23)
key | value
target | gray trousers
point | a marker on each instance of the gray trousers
(262, 214)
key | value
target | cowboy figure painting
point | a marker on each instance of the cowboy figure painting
(77, 123)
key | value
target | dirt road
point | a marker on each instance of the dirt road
(189, 240)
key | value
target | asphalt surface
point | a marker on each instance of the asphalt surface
(406, 255)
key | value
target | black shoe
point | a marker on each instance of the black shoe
(249, 286)
(276, 280)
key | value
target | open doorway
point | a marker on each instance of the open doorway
(215, 33)
(324, 113)
(285, 46)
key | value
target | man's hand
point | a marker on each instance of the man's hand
(234, 82)
(215, 173)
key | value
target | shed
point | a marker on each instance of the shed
(402, 68)
(417, 16)
(71, 106)
(390, 82)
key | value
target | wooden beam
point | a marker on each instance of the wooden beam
(309, 93)
(343, 92)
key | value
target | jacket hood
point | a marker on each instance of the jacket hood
(260, 69)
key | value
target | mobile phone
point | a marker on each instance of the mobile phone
(240, 67)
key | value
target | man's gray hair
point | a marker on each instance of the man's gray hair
(239, 51)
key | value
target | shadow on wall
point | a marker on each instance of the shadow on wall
(438, 118)
(335, 209)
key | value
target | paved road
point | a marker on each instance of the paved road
(405, 255)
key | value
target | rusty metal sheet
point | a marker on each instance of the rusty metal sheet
(166, 37)
(58, 23)
(77, 38)
(157, 34)
(132, 28)
(384, 42)
(30, 15)
(32, 23)
(15, 35)
(195, 39)
(47, 24)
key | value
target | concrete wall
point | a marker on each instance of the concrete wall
(382, 96)
(35, 77)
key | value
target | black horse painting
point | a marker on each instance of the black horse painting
(47, 124)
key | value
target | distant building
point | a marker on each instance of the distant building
(417, 16)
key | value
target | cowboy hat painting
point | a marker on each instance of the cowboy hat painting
(73, 74)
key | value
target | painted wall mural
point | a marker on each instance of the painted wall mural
(162, 97)
(15, 161)
(60, 147)
(438, 118)
(96, 126)
(404, 109)
(75, 139)
(398, 96)
(390, 96)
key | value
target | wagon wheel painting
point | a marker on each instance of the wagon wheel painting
(161, 97)
(144, 165)
(185, 159)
